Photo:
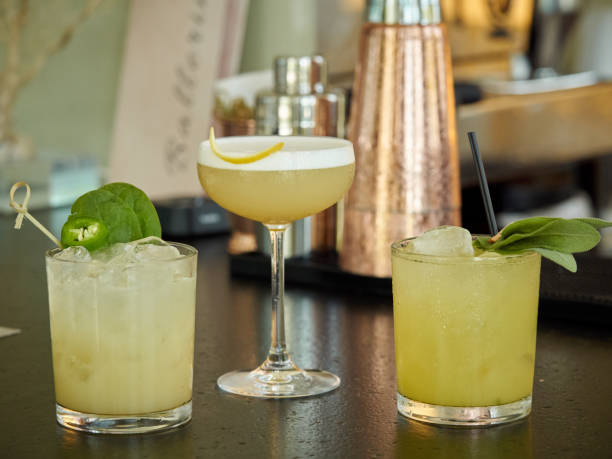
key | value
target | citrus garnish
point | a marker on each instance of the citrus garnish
(243, 159)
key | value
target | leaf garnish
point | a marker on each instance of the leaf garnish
(596, 223)
(124, 212)
(566, 260)
(554, 238)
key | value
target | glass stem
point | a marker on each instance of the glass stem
(278, 357)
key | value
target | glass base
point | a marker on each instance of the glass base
(278, 383)
(123, 424)
(470, 416)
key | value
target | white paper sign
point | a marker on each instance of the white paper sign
(166, 93)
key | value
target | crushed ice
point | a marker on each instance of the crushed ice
(148, 249)
(122, 264)
(74, 253)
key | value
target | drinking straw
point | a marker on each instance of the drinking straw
(482, 181)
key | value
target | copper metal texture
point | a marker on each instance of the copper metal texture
(402, 126)
(237, 127)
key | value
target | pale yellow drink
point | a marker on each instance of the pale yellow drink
(465, 327)
(276, 197)
(122, 334)
(276, 180)
(307, 176)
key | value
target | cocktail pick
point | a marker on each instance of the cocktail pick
(482, 181)
(22, 211)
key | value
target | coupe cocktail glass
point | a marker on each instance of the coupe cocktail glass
(307, 176)
(465, 335)
(122, 336)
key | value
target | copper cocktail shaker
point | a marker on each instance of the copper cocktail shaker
(402, 125)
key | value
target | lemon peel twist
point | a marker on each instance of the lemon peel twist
(244, 159)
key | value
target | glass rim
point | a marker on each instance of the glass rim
(335, 142)
(399, 249)
(190, 253)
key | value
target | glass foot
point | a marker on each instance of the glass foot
(123, 424)
(278, 383)
(471, 416)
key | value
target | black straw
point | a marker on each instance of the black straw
(482, 180)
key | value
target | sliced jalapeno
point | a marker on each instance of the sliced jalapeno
(89, 232)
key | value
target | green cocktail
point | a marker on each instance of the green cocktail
(465, 312)
(465, 335)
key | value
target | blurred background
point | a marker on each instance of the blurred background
(99, 90)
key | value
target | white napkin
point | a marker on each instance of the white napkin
(5, 331)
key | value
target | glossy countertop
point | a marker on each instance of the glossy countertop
(347, 333)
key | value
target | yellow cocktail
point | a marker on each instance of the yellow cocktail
(307, 175)
(276, 197)
(122, 334)
(465, 333)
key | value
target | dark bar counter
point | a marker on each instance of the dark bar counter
(348, 333)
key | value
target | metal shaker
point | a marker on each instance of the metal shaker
(402, 125)
(302, 104)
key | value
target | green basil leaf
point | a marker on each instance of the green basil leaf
(553, 238)
(120, 220)
(522, 229)
(596, 223)
(482, 242)
(566, 260)
(568, 236)
(140, 203)
(526, 226)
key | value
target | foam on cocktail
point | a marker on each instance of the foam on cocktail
(298, 153)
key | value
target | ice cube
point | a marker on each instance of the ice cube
(116, 254)
(75, 253)
(451, 241)
(155, 249)
(155, 252)
(112, 265)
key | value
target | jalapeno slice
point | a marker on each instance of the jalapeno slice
(89, 232)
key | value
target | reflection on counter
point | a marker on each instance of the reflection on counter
(501, 442)
(176, 444)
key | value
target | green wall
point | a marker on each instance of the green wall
(69, 107)
(277, 27)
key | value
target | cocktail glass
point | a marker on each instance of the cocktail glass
(122, 335)
(465, 335)
(307, 176)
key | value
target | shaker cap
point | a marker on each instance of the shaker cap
(300, 75)
(404, 12)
